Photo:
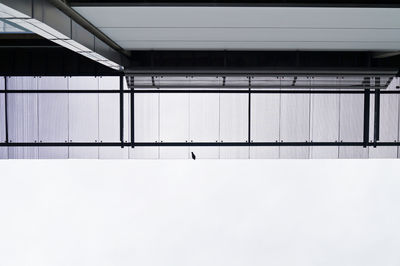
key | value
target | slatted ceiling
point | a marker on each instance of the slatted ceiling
(83, 117)
(219, 28)
(22, 117)
(53, 117)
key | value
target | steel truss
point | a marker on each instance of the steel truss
(365, 88)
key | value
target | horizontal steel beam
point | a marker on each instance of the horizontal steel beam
(240, 3)
(293, 91)
(189, 144)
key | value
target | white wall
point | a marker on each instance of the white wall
(179, 213)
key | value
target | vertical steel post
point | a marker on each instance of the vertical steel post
(366, 83)
(132, 113)
(377, 110)
(6, 107)
(249, 114)
(121, 110)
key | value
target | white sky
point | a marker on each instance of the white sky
(199, 213)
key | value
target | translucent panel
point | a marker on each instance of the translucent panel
(388, 128)
(146, 125)
(294, 125)
(324, 123)
(23, 117)
(83, 117)
(109, 118)
(3, 150)
(351, 125)
(53, 117)
(234, 124)
(265, 124)
(174, 124)
(204, 124)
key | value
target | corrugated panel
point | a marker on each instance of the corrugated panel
(146, 125)
(265, 124)
(3, 150)
(174, 124)
(204, 124)
(324, 123)
(83, 117)
(233, 125)
(109, 119)
(295, 124)
(351, 125)
(53, 117)
(23, 117)
(389, 126)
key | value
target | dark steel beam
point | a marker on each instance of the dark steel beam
(366, 113)
(377, 105)
(6, 106)
(272, 91)
(133, 113)
(191, 144)
(121, 110)
(241, 3)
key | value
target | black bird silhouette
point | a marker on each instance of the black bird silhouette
(193, 156)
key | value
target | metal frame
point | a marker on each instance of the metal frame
(366, 89)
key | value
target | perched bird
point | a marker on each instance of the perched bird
(193, 156)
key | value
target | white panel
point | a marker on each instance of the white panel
(146, 125)
(204, 124)
(214, 17)
(23, 117)
(3, 150)
(267, 35)
(234, 125)
(53, 117)
(351, 125)
(248, 45)
(258, 27)
(295, 124)
(324, 124)
(265, 124)
(174, 124)
(389, 125)
(109, 128)
(83, 117)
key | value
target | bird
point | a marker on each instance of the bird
(193, 156)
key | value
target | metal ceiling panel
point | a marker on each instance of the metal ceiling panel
(53, 117)
(23, 117)
(262, 28)
(109, 113)
(83, 117)
(295, 124)
(324, 122)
